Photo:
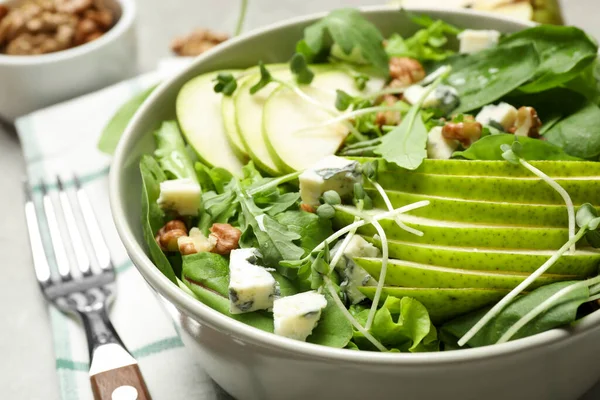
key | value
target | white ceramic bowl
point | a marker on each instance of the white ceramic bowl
(28, 83)
(250, 364)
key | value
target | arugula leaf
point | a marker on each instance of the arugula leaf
(561, 314)
(482, 78)
(282, 203)
(425, 44)
(171, 153)
(400, 324)
(488, 148)
(405, 145)
(153, 217)
(311, 229)
(577, 133)
(276, 242)
(565, 51)
(333, 329)
(356, 37)
(109, 138)
(209, 270)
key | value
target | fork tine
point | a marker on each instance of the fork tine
(40, 262)
(97, 239)
(57, 241)
(83, 262)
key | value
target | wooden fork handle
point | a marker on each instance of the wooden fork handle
(124, 383)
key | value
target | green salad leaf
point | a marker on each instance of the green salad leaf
(587, 83)
(565, 51)
(333, 329)
(111, 134)
(171, 153)
(358, 40)
(208, 270)
(401, 325)
(488, 148)
(482, 78)
(561, 314)
(311, 229)
(577, 133)
(428, 44)
(153, 217)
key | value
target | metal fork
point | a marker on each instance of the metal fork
(114, 373)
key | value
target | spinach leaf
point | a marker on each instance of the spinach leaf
(333, 329)
(577, 133)
(171, 153)
(357, 38)
(258, 319)
(153, 217)
(488, 148)
(276, 241)
(209, 270)
(482, 78)
(565, 51)
(425, 44)
(405, 145)
(587, 83)
(116, 126)
(401, 325)
(311, 229)
(561, 314)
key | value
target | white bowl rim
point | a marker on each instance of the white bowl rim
(228, 326)
(127, 18)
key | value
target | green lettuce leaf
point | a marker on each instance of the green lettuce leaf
(171, 153)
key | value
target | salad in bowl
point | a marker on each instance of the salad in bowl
(408, 194)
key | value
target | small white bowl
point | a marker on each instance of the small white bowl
(28, 83)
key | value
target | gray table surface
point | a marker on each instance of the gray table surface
(27, 361)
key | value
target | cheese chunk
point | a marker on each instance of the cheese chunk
(330, 173)
(472, 41)
(438, 147)
(503, 114)
(354, 275)
(296, 316)
(251, 287)
(181, 195)
(444, 97)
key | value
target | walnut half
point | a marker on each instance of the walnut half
(226, 236)
(466, 132)
(405, 71)
(528, 123)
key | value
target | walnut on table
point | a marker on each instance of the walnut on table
(197, 42)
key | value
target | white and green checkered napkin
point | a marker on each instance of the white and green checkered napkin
(62, 140)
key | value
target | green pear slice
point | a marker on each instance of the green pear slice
(582, 263)
(409, 274)
(442, 303)
(198, 114)
(248, 118)
(512, 190)
(446, 233)
(293, 128)
(493, 168)
(231, 131)
(477, 211)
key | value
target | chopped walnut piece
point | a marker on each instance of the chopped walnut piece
(405, 71)
(307, 208)
(466, 132)
(44, 26)
(388, 117)
(168, 236)
(196, 242)
(227, 238)
(527, 124)
(197, 42)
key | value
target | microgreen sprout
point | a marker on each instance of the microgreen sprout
(265, 78)
(299, 68)
(545, 306)
(382, 274)
(226, 83)
(241, 17)
(326, 211)
(332, 197)
(274, 183)
(587, 220)
(513, 155)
